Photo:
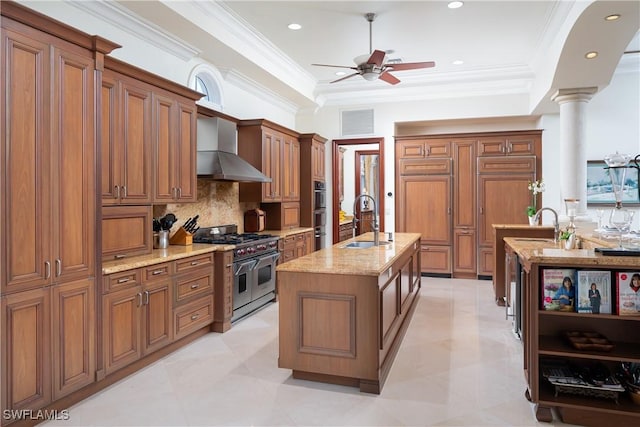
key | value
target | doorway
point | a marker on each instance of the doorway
(358, 165)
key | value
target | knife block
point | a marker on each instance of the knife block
(181, 237)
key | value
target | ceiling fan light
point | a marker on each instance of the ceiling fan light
(370, 76)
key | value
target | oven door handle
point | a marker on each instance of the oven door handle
(248, 265)
(266, 260)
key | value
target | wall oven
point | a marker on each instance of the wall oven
(319, 213)
(320, 195)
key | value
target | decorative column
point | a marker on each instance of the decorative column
(573, 157)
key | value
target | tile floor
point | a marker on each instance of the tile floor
(459, 365)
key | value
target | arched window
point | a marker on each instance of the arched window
(204, 78)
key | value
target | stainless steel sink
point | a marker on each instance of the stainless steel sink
(533, 239)
(362, 244)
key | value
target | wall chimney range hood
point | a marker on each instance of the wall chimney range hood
(217, 156)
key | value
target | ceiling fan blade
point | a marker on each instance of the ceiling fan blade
(376, 58)
(335, 66)
(389, 78)
(410, 65)
(345, 77)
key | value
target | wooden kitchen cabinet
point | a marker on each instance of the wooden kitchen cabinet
(49, 164)
(136, 321)
(174, 148)
(312, 170)
(26, 349)
(126, 231)
(73, 336)
(483, 168)
(426, 209)
(223, 291)
(275, 151)
(346, 231)
(126, 139)
(291, 169)
(141, 114)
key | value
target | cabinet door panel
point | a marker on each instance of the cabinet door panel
(185, 152)
(157, 300)
(464, 176)
(163, 139)
(121, 328)
(426, 202)
(291, 169)
(26, 353)
(73, 336)
(498, 209)
(25, 155)
(110, 149)
(136, 126)
(464, 257)
(72, 174)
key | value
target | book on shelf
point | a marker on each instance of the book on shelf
(593, 293)
(555, 295)
(628, 293)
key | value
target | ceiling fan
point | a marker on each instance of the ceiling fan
(372, 67)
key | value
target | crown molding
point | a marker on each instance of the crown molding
(243, 82)
(124, 19)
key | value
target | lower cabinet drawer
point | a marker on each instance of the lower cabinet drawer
(192, 285)
(193, 316)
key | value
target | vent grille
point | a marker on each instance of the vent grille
(357, 122)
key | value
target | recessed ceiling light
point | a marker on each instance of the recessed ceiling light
(458, 62)
(613, 17)
(591, 55)
(455, 4)
(340, 73)
(294, 26)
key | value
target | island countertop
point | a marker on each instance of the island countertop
(545, 251)
(338, 259)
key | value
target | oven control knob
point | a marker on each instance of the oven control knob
(273, 244)
(251, 250)
(240, 252)
(261, 247)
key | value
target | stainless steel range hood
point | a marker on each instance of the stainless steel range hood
(218, 153)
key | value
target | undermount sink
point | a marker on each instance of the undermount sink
(362, 244)
(533, 239)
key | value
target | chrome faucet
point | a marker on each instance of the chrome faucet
(374, 225)
(556, 224)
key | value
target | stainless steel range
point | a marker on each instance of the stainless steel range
(254, 265)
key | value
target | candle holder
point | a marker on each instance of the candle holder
(571, 205)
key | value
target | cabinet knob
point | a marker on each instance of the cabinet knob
(194, 262)
(195, 316)
(194, 286)
(156, 272)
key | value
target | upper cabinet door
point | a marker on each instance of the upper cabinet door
(272, 166)
(164, 159)
(185, 152)
(25, 155)
(73, 167)
(291, 169)
(110, 149)
(135, 185)
(318, 160)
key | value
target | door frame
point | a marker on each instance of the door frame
(335, 176)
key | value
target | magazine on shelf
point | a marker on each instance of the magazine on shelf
(628, 293)
(594, 292)
(553, 295)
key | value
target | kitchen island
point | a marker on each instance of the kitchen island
(344, 311)
(544, 333)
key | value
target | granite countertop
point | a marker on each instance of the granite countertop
(284, 233)
(346, 221)
(521, 226)
(172, 253)
(340, 260)
(545, 251)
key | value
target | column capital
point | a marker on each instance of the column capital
(580, 94)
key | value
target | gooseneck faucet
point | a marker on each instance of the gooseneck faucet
(556, 224)
(374, 225)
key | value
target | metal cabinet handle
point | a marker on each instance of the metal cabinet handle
(47, 269)
(146, 297)
(124, 191)
(194, 286)
(119, 256)
(117, 191)
(174, 193)
(195, 316)
(179, 193)
(58, 267)
(125, 280)
(139, 295)
(156, 272)
(194, 262)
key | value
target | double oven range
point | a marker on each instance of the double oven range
(254, 265)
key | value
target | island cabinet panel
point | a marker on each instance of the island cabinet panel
(223, 291)
(346, 328)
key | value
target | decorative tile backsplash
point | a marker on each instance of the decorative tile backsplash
(217, 204)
